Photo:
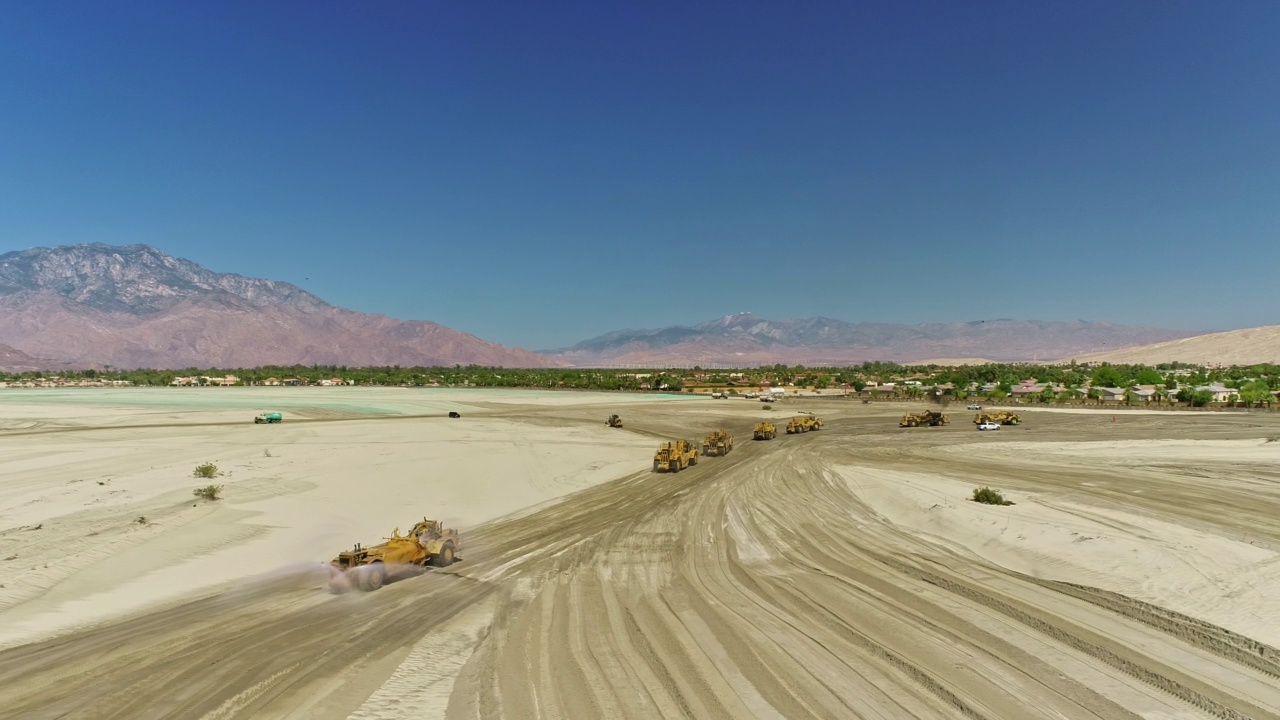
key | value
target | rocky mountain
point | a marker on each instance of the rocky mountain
(1251, 346)
(135, 306)
(745, 339)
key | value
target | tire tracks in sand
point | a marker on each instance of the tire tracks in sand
(751, 586)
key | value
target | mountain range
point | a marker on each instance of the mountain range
(135, 306)
(745, 339)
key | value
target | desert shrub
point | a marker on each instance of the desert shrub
(208, 492)
(207, 470)
(987, 496)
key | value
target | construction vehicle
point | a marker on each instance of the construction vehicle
(804, 423)
(1000, 417)
(675, 456)
(428, 544)
(268, 417)
(930, 418)
(717, 444)
(614, 421)
(765, 431)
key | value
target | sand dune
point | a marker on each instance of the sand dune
(1236, 347)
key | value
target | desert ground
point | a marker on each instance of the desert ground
(840, 573)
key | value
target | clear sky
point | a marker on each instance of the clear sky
(538, 173)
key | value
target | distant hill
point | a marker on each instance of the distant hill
(1250, 346)
(745, 339)
(135, 306)
(14, 360)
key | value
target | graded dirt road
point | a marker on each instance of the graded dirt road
(833, 574)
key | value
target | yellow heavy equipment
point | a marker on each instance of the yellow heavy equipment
(999, 417)
(675, 456)
(367, 568)
(930, 418)
(717, 443)
(804, 423)
(765, 431)
(614, 421)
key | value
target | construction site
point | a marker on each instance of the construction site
(533, 564)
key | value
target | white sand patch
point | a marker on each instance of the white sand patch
(750, 549)
(1223, 581)
(294, 494)
(1169, 451)
(421, 685)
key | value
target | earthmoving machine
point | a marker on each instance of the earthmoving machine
(999, 417)
(930, 418)
(675, 456)
(367, 568)
(268, 417)
(717, 443)
(614, 421)
(765, 431)
(804, 423)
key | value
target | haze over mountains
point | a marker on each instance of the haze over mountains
(135, 306)
(750, 340)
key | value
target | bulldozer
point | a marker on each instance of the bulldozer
(765, 431)
(717, 443)
(1000, 417)
(428, 544)
(930, 418)
(675, 456)
(804, 423)
(614, 421)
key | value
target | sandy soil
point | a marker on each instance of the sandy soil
(118, 468)
(834, 574)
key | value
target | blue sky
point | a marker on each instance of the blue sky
(538, 173)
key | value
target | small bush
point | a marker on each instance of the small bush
(987, 496)
(208, 492)
(207, 470)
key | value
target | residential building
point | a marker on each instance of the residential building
(1221, 393)
(1111, 394)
